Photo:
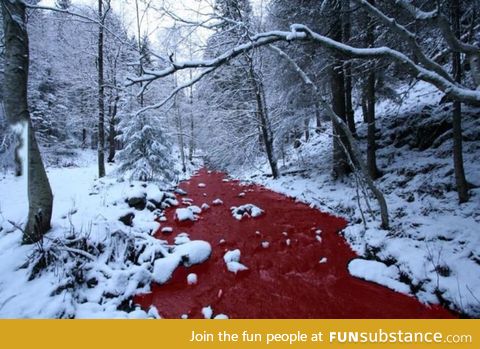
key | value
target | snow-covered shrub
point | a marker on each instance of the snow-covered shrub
(147, 155)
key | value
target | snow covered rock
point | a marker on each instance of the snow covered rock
(155, 195)
(193, 252)
(167, 230)
(195, 209)
(217, 202)
(185, 214)
(221, 317)
(202, 185)
(207, 312)
(248, 210)
(377, 272)
(232, 260)
(180, 191)
(182, 238)
(232, 256)
(137, 202)
(127, 219)
(235, 267)
(163, 268)
(192, 279)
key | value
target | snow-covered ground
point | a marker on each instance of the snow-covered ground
(91, 263)
(432, 248)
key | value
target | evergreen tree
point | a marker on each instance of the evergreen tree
(147, 153)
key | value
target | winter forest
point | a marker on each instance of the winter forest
(240, 159)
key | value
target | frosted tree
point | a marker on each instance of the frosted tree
(147, 153)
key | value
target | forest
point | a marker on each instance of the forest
(191, 158)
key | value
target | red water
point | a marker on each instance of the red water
(283, 281)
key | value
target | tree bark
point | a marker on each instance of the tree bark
(40, 198)
(191, 143)
(347, 26)
(112, 121)
(101, 95)
(370, 103)
(337, 84)
(262, 114)
(461, 182)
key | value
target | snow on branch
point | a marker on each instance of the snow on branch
(300, 32)
(407, 35)
(436, 16)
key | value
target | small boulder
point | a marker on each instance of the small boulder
(138, 203)
(127, 219)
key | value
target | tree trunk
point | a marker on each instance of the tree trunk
(348, 70)
(262, 114)
(307, 129)
(181, 143)
(461, 182)
(112, 131)
(318, 117)
(337, 84)
(370, 104)
(191, 143)
(101, 95)
(40, 198)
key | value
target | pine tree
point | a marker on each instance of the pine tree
(147, 153)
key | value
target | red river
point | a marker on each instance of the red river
(285, 279)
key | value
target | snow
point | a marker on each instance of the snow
(85, 213)
(181, 238)
(185, 214)
(235, 267)
(232, 256)
(265, 244)
(167, 230)
(323, 260)
(221, 317)
(163, 268)
(379, 273)
(192, 279)
(247, 210)
(196, 251)
(217, 202)
(195, 209)
(232, 260)
(207, 312)
(202, 185)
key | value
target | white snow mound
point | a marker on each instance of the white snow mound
(379, 273)
(187, 213)
(197, 251)
(235, 267)
(249, 210)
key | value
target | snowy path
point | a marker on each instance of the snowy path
(297, 263)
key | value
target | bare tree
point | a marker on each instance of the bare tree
(462, 185)
(101, 90)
